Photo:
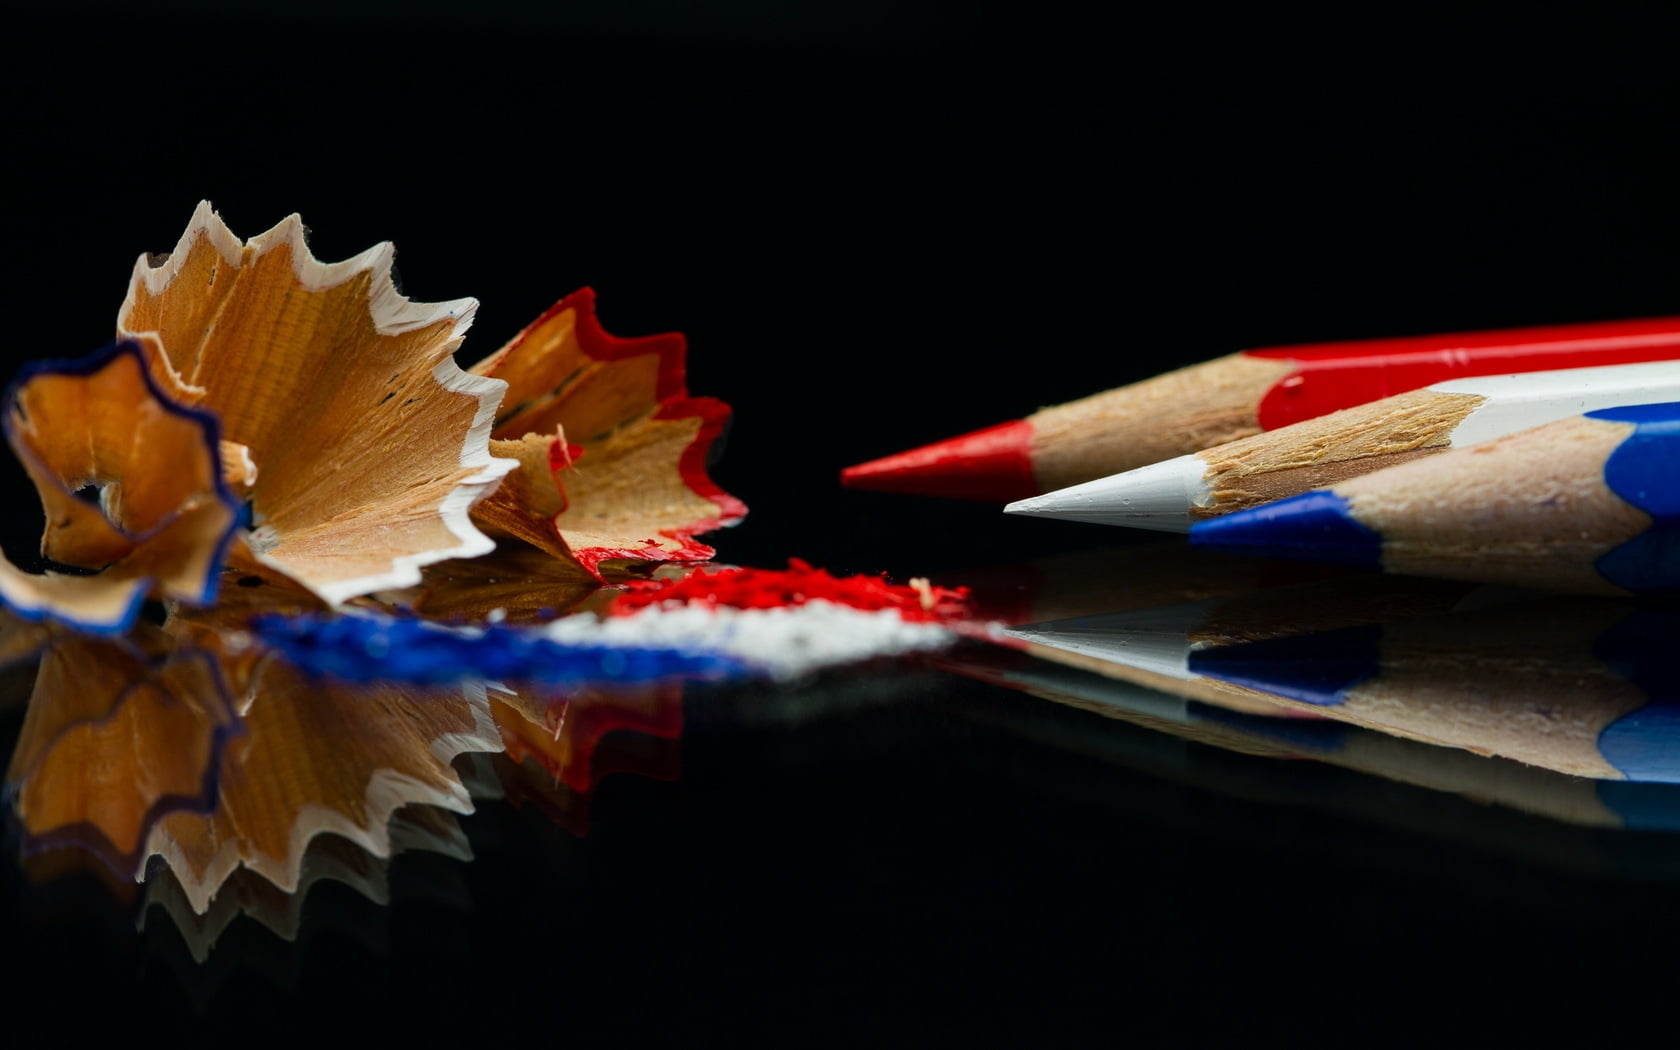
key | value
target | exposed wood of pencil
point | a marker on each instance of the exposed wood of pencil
(1327, 450)
(1524, 509)
(1169, 415)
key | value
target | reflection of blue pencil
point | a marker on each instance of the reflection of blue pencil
(1579, 685)
(1587, 504)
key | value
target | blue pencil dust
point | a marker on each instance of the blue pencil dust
(365, 648)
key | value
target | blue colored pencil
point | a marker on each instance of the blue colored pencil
(1588, 504)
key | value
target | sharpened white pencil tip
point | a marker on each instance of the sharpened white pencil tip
(1160, 496)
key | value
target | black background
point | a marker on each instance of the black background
(880, 225)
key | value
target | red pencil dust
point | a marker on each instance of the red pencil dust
(747, 588)
(1235, 396)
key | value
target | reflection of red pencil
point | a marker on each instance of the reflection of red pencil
(1230, 397)
(1123, 577)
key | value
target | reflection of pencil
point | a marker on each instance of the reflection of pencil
(1190, 717)
(1231, 397)
(1319, 452)
(1575, 684)
(1159, 571)
(1153, 646)
(1482, 778)
(1585, 504)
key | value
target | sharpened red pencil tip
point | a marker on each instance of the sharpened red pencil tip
(993, 465)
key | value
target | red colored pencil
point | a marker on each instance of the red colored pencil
(1230, 397)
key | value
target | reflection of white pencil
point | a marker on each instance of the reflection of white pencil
(1161, 639)
(1323, 451)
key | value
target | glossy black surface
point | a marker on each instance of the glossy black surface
(880, 230)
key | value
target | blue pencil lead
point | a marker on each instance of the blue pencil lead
(1314, 526)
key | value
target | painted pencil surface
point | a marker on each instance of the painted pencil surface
(1232, 397)
(1316, 453)
(1580, 685)
(1586, 504)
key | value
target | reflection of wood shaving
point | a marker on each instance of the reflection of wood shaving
(293, 779)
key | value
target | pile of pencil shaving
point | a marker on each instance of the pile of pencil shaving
(269, 434)
(263, 414)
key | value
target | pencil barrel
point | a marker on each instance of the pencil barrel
(1172, 414)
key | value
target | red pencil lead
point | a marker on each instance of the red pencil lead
(993, 465)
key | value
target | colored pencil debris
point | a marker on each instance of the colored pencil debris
(732, 622)
(299, 567)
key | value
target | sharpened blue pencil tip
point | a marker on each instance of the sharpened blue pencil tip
(1314, 526)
